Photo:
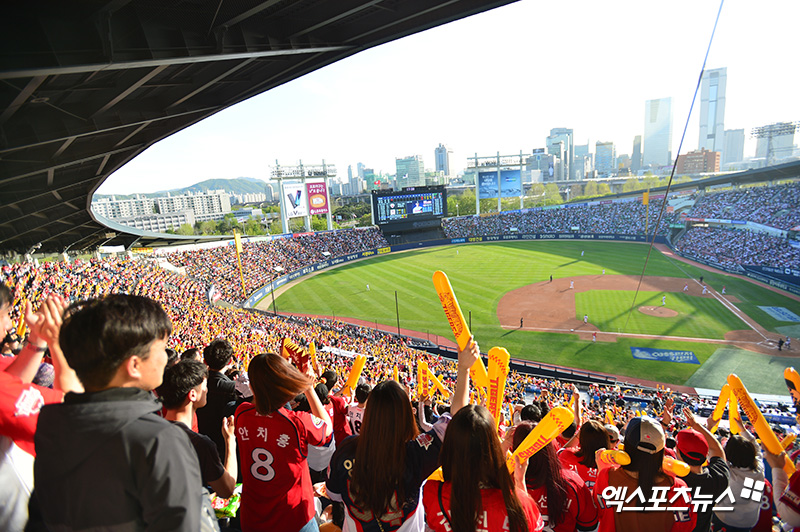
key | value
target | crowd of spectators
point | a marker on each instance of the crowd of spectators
(732, 248)
(218, 267)
(195, 324)
(776, 206)
(626, 218)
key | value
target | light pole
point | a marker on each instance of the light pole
(458, 213)
(276, 270)
(274, 309)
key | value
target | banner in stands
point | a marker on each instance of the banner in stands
(664, 355)
(510, 184)
(295, 200)
(317, 198)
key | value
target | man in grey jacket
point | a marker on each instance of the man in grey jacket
(104, 458)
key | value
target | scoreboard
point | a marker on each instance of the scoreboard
(412, 204)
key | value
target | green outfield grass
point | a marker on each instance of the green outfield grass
(698, 317)
(482, 273)
(760, 373)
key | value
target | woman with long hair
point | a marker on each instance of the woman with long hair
(378, 473)
(273, 442)
(592, 436)
(624, 493)
(563, 498)
(478, 491)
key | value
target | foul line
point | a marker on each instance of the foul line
(632, 335)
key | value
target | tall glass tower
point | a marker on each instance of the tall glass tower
(712, 110)
(658, 132)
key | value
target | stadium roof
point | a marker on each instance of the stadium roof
(86, 86)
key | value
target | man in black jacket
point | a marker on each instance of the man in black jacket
(104, 458)
(217, 355)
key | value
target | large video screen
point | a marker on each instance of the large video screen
(417, 203)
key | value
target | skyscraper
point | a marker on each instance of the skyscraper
(734, 146)
(657, 132)
(443, 159)
(605, 158)
(566, 151)
(582, 162)
(712, 110)
(636, 159)
(410, 171)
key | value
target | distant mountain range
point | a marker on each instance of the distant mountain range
(240, 185)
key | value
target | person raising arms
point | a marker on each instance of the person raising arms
(378, 474)
(478, 491)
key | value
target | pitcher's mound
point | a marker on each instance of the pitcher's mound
(659, 312)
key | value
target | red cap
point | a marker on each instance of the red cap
(693, 446)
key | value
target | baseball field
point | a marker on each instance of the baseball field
(589, 316)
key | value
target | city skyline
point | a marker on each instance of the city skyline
(497, 90)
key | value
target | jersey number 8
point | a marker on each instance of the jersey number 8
(262, 460)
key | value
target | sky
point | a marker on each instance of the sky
(498, 81)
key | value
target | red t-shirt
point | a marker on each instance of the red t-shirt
(764, 523)
(341, 428)
(572, 462)
(277, 493)
(581, 513)
(19, 409)
(494, 517)
(677, 516)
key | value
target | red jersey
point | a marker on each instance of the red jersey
(19, 409)
(572, 462)
(277, 492)
(341, 428)
(764, 523)
(493, 518)
(618, 515)
(580, 514)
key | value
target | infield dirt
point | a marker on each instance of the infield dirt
(550, 306)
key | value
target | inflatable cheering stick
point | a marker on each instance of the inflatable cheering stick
(674, 467)
(355, 373)
(792, 379)
(764, 431)
(498, 371)
(611, 457)
(716, 415)
(455, 317)
(543, 433)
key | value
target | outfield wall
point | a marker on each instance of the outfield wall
(267, 289)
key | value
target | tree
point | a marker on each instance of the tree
(590, 190)
(319, 223)
(630, 185)
(465, 201)
(551, 195)
(252, 226)
(365, 221)
(206, 228)
(603, 189)
(185, 229)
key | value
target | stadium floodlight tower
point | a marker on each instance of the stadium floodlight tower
(771, 131)
(497, 176)
(303, 191)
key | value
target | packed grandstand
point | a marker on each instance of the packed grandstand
(197, 323)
